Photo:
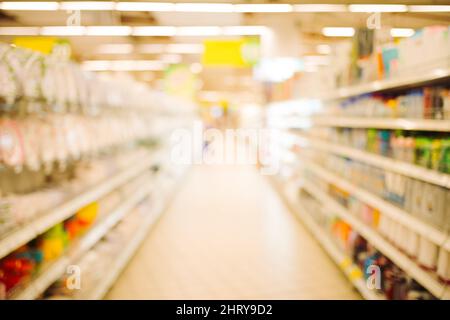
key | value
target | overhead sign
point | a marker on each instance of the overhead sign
(232, 53)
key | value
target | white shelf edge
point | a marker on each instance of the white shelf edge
(407, 169)
(40, 224)
(341, 260)
(57, 268)
(383, 123)
(436, 236)
(426, 279)
(388, 84)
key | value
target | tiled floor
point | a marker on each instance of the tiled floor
(227, 235)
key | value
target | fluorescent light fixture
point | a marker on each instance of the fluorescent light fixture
(155, 31)
(115, 48)
(402, 32)
(320, 8)
(185, 48)
(171, 58)
(199, 31)
(245, 30)
(30, 5)
(323, 49)
(123, 65)
(338, 31)
(145, 6)
(87, 5)
(63, 31)
(108, 31)
(151, 48)
(431, 8)
(377, 8)
(263, 7)
(19, 31)
(204, 7)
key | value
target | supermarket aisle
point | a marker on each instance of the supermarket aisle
(227, 235)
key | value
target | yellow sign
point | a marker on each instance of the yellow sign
(231, 53)
(41, 44)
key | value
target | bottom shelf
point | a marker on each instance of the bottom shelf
(352, 272)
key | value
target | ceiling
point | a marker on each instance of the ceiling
(306, 27)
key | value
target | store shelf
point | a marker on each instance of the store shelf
(101, 289)
(382, 123)
(398, 83)
(352, 272)
(37, 226)
(56, 269)
(426, 279)
(407, 169)
(436, 236)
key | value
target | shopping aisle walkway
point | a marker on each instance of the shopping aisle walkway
(227, 235)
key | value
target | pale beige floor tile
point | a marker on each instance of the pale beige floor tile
(227, 235)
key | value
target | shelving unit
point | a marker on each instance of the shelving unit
(398, 83)
(436, 236)
(56, 269)
(351, 271)
(410, 170)
(382, 123)
(426, 279)
(37, 226)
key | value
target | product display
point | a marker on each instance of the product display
(310, 143)
(422, 103)
(373, 163)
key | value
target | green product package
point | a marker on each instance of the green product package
(444, 160)
(423, 152)
(371, 140)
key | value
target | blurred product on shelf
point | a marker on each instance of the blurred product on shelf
(427, 149)
(423, 200)
(377, 270)
(371, 55)
(23, 265)
(102, 256)
(422, 103)
(53, 190)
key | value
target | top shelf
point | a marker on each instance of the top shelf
(419, 79)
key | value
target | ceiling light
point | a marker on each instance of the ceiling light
(171, 58)
(63, 31)
(108, 31)
(115, 48)
(245, 30)
(435, 8)
(377, 8)
(320, 8)
(87, 5)
(323, 49)
(19, 31)
(145, 6)
(204, 7)
(269, 7)
(29, 5)
(185, 48)
(123, 65)
(338, 31)
(154, 31)
(151, 48)
(199, 31)
(402, 32)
